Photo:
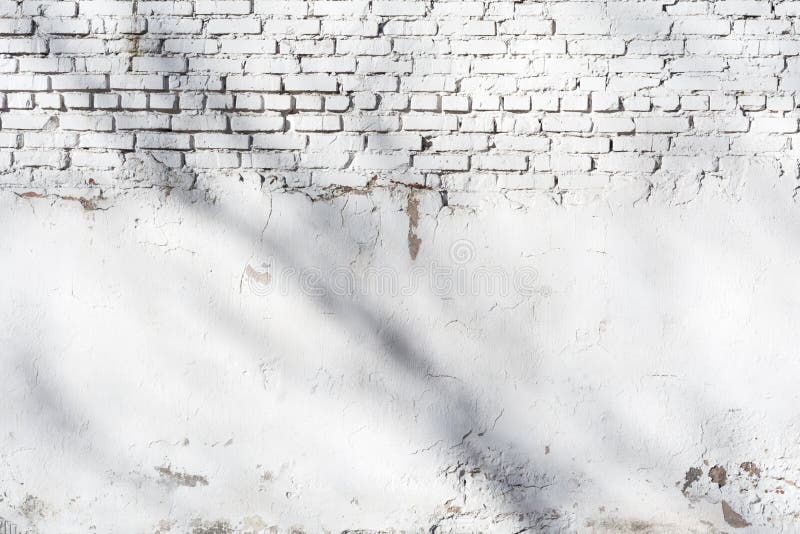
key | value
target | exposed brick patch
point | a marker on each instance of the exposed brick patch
(507, 94)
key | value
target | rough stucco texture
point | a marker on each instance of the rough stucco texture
(387, 266)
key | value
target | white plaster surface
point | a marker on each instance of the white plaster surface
(157, 377)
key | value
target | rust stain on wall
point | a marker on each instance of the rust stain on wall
(414, 241)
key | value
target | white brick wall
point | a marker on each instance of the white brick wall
(221, 77)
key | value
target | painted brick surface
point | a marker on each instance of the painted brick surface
(702, 78)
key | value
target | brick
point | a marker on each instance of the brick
(79, 82)
(661, 124)
(371, 65)
(42, 8)
(134, 82)
(701, 26)
(460, 143)
(133, 101)
(272, 66)
(774, 125)
(575, 102)
(442, 163)
(280, 141)
(271, 160)
(522, 143)
(56, 159)
(159, 64)
(308, 102)
(316, 123)
(425, 102)
(23, 82)
(527, 26)
(72, 100)
(203, 83)
(325, 160)
(164, 141)
(636, 65)
(199, 123)
(330, 64)
(264, 83)
(582, 26)
(165, 7)
(340, 7)
(566, 123)
(257, 123)
(61, 26)
(10, 140)
(394, 142)
(368, 28)
(335, 141)
(340, 179)
(38, 46)
(600, 47)
(564, 163)
(456, 104)
(233, 26)
(371, 123)
(142, 121)
(106, 101)
(604, 102)
(212, 160)
(478, 47)
(249, 102)
(28, 121)
(114, 141)
(285, 8)
(215, 65)
(430, 122)
(500, 162)
(310, 82)
(163, 102)
(247, 46)
(174, 26)
(222, 7)
(752, 8)
(117, 8)
(383, 162)
(614, 124)
(395, 8)
(585, 145)
(500, 66)
(337, 103)
(278, 102)
(483, 124)
(46, 64)
(95, 159)
(363, 47)
(49, 140)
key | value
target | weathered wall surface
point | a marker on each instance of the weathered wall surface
(441, 266)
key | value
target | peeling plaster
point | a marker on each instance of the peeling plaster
(235, 399)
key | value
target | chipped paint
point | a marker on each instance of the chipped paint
(181, 479)
(414, 240)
